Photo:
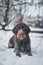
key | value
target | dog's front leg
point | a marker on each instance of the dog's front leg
(17, 49)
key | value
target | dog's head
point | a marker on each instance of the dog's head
(21, 30)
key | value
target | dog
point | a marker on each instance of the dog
(21, 40)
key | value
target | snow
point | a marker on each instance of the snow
(8, 57)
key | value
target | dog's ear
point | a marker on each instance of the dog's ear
(27, 29)
(15, 29)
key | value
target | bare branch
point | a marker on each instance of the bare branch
(37, 32)
(17, 4)
(4, 6)
(6, 29)
(21, 4)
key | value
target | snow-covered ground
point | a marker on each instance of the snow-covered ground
(8, 57)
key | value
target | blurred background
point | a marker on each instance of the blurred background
(14, 11)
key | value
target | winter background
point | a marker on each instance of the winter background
(35, 11)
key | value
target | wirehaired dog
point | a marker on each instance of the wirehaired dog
(21, 40)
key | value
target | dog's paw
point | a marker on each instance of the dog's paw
(18, 55)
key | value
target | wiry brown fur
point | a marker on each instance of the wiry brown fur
(20, 45)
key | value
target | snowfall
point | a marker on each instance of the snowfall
(8, 57)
